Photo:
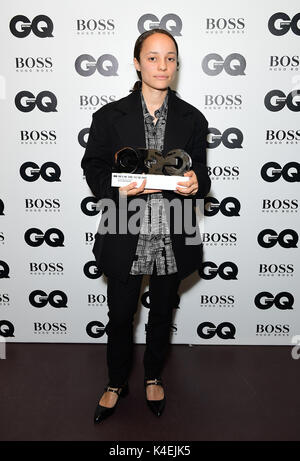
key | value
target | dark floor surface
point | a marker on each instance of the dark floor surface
(49, 392)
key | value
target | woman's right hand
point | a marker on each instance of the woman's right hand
(130, 189)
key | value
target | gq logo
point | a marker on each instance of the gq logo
(224, 330)
(231, 138)
(272, 171)
(7, 329)
(145, 300)
(49, 171)
(287, 238)
(4, 270)
(86, 65)
(229, 206)
(282, 300)
(234, 64)
(82, 138)
(89, 206)
(276, 100)
(91, 270)
(226, 271)
(56, 298)
(95, 329)
(169, 22)
(42, 26)
(45, 101)
(53, 237)
(281, 23)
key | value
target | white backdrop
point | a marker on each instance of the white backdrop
(232, 56)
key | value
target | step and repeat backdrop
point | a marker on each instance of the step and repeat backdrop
(239, 65)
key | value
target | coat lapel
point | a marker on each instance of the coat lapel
(130, 126)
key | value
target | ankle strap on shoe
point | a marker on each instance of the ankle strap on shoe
(157, 381)
(110, 389)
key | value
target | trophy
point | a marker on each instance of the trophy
(161, 171)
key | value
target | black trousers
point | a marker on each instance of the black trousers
(122, 300)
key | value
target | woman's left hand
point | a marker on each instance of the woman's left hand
(191, 186)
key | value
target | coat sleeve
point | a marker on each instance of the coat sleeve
(198, 155)
(97, 161)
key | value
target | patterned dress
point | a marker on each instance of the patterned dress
(154, 243)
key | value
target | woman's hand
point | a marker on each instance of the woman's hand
(191, 186)
(130, 189)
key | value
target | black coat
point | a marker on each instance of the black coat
(119, 124)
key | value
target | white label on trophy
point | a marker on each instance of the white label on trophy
(153, 181)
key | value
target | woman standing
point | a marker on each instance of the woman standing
(152, 116)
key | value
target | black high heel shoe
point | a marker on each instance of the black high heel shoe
(102, 412)
(156, 406)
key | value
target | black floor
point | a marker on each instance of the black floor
(49, 392)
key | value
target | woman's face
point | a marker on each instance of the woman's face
(158, 61)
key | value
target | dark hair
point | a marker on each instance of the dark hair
(137, 51)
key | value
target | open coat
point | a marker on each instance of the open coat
(120, 124)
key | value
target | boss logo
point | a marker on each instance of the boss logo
(235, 24)
(282, 300)
(47, 327)
(34, 136)
(232, 138)
(229, 206)
(169, 22)
(213, 300)
(215, 238)
(272, 171)
(96, 299)
(4, 270)
(94, 101)
(226, 270)
(49, 171)
(91, 270)
(41, 26)
(276, 100)
(277, 204)
(86, 65)
(56, 298)
(228, 172)
(45, 101)
(281, 23)
(226, 101)
(95, 329)
(34, 63)
(268, 238)
(284, 61)
(280, 330)
(7, 329)
(282, 135)
(234, 64)
(89, 206)
(40, 204)
(224, 330)
(91, 25)
(279, 269)
(43, 268)
(53, 237)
